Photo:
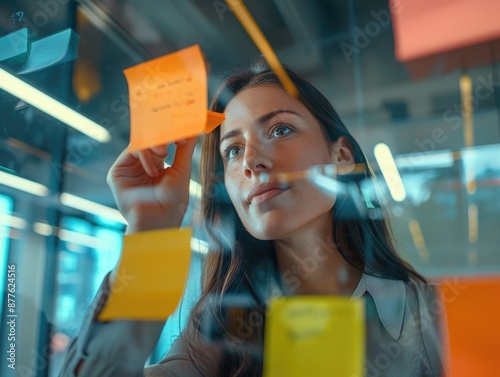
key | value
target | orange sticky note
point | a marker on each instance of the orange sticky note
(472, 312)
(319, 336)
(169, 98)
(151, 275)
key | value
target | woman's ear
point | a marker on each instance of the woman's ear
(343, 156)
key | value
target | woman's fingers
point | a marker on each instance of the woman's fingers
(125, 159)
(148, 162)
(160, 151)
(152, 159)
(184, 155)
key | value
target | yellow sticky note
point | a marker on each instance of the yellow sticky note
(169, 98)
(151, 275)
(314, 336)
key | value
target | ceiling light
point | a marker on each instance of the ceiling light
(12, 221)
(428, 160)
(43, 229)
(390, 171)
(49, 105)
(92, 207)
(79, 238)
(23, 184)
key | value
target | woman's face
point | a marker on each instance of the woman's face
(267, 131)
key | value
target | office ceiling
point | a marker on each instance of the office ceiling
(116, 34)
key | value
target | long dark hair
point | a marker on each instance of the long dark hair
(226, 339)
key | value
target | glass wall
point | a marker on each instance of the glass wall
(59, 224)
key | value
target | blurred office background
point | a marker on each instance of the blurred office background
(438, 114)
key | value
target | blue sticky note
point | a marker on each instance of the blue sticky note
(14, 46)
(54, 49)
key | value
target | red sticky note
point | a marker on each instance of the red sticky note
(426, 27)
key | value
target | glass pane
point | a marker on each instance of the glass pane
(6, 205)
(438, 117)
(87, 253)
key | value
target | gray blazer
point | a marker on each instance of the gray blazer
(404, 337)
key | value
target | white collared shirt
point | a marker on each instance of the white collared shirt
(403, 329)
(389, 297)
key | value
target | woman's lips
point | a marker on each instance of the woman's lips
(266, 195)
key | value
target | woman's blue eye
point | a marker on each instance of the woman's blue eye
(232, 151)
(281, 130)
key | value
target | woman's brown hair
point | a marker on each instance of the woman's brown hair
(224, 335)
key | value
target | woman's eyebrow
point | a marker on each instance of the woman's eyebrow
(228, 135)
(266, 117)
(261, 120)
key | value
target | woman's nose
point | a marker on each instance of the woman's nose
(256, 160)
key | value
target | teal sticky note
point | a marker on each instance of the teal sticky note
(14, 47)
(54, 49)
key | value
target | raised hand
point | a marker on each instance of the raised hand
(147, 194)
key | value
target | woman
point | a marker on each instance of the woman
(277, 227)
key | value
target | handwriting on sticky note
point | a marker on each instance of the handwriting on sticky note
(314, 335)
(306, 322)
(168, 99)
(151, 275)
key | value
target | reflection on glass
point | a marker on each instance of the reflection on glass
(6, 205)
(87, 254)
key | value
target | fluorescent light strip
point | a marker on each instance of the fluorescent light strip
(431, 160)
(54, 108)
(23, 184)
(92, 207)
(79, 238)
(390, 171)
(43, 229)
(12, 221)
